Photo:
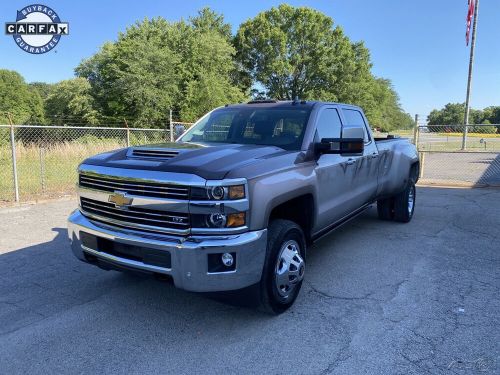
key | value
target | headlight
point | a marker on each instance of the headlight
(218, 192)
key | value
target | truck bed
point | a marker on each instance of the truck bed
(390, 137)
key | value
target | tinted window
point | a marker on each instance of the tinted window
(329, 125)
(282, 127)
(353, 117)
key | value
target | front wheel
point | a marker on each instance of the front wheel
(284, 267)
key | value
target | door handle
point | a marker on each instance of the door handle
(374, 156)
(350, 161)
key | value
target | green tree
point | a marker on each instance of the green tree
(209, 21)
(297, 52)
(70, 102)
(382, 106)
(43, 88)
(157, 65)
(450, 114)
(17, 98)
(492, 115)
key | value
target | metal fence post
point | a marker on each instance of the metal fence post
(127, 133)
(171, 127)
(415, 132)
(42, 168)
(14, 161)
(422, 164)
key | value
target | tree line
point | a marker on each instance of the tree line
(452, 114)
(191, 66)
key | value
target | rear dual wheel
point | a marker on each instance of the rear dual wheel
(399, 207)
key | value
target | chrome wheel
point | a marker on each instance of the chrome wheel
(289, 269)
(411, 199)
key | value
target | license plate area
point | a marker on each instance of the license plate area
(146, 255)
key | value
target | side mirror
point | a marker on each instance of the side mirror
(352, 143)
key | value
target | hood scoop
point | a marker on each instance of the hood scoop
(154, 153)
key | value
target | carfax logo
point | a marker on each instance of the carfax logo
(37, 29)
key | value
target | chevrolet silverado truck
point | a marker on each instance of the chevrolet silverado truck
(237, 199)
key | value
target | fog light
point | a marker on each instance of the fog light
(227, 259)
(217, 220)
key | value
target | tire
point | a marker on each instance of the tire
(385, 209)
(404, 203)
(284, 266)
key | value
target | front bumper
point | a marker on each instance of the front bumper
(189, 268)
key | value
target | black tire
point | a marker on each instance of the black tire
(385, 209)
(280, 233)
(403, 207)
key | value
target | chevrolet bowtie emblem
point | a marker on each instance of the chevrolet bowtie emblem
(120, 200)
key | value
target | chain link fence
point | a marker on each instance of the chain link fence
(39, 162)
(459, 155)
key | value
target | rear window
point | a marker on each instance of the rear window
(354, 117)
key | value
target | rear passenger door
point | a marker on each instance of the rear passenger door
(363, 170)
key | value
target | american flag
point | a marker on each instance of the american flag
(470, 15)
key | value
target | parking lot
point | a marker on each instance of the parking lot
(378, 298)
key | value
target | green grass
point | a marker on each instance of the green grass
(48, 169)
(473, 144)
(472, 135)
(46, 172)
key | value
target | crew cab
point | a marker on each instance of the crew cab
(237, 200)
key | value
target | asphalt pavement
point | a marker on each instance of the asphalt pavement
(378, 298)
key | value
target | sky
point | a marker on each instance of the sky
(418, 45)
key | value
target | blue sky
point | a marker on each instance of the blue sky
(419, 45)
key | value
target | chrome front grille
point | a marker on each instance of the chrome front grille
(141, 188)
(136, 217)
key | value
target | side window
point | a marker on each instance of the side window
(329, 125)
(353, 117)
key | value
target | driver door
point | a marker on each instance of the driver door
(332, 173)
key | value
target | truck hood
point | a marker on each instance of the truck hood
(212, 162)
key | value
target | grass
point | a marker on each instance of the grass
(472, 145)
(45, 172)
(472, 135)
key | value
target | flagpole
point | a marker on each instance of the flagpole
(469, 79)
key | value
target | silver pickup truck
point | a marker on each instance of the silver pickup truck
(234, 203)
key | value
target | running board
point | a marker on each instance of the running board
(323, 232)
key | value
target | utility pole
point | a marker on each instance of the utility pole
(469, 79)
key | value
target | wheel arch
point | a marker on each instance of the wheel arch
(299, 209)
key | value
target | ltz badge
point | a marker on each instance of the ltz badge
(37, 29)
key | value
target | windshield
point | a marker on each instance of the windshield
(282, 127)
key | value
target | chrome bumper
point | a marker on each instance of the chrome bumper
(189, 268)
